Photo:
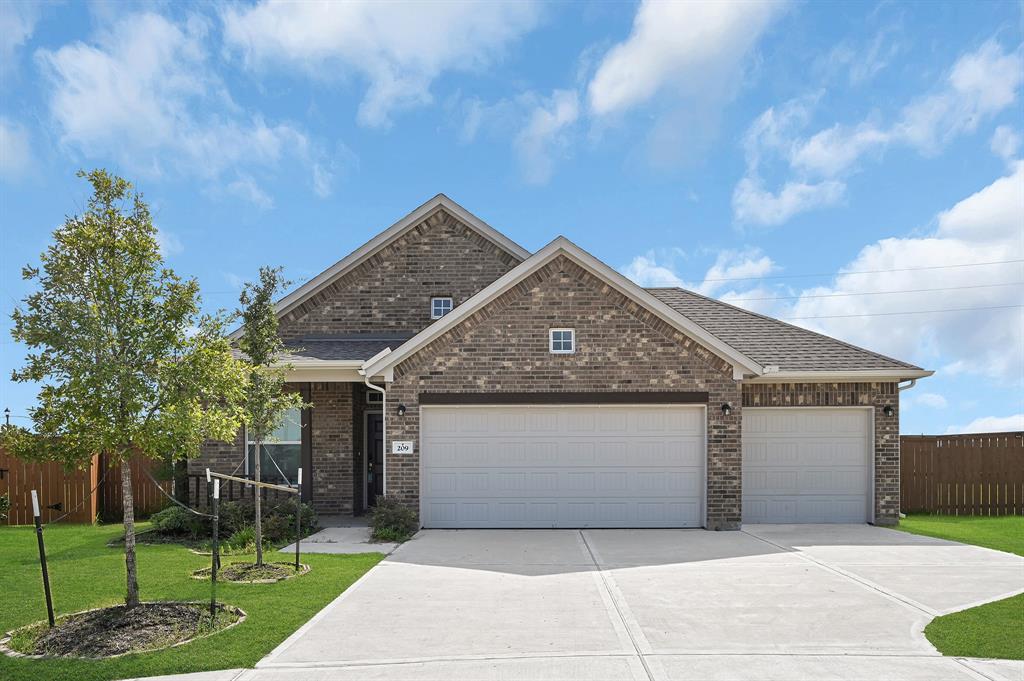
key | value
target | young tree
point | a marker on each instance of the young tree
(127, 364)
(266, 401)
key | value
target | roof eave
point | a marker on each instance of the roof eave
(741, 363)
(320, 281)
(856, 375)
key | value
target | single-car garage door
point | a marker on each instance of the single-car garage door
(808, 465)
(562, 466)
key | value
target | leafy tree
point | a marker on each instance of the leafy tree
(266, 400)
(127, 364)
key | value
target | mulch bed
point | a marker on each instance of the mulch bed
(250, 573)
(109, 632)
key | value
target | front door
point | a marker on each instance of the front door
(374, 457)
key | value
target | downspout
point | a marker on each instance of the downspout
(384, 432)
(901, 388)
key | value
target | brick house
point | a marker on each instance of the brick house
(490, 387)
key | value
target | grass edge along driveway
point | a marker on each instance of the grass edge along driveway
(993, 630)
(85, 573)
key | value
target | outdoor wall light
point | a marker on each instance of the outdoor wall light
(888, 410)
(726, 409)
(401, 410)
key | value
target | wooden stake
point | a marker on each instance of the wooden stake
(42, 557)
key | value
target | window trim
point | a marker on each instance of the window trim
(451, 306)
(551, 341)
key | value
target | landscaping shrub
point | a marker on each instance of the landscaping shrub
(175, 521)
(392, 520)
(236, 517)
(5, 507)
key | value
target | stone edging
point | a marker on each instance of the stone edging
(9, 652)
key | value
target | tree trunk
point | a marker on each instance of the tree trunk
(257, 504)
(128, 505)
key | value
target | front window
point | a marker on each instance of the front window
(281, 452)
(563, 341)
(439, 307)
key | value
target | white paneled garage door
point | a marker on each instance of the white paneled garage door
(562, 466)
(808, 465)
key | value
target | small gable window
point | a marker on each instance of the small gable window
(562, 341)
(439, 307)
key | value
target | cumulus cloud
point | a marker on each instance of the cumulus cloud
(684, 48)
(247, 189)
(17, 24)
(398, 48)
(978, 86)
(15, 150)
(932, 400)
(143, 94)
(168, 242)
(1005, 142)
(655, 270)
(544, 136)
(990, 424)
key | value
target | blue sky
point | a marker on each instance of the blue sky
(841, 165)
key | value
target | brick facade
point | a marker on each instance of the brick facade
(621, 346)
(887, 428)
(391, 290)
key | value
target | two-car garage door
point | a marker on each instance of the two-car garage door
(562, 466)
(806, 465)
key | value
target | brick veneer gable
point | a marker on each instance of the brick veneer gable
(503, 347)
(878, 396)
(391, 290)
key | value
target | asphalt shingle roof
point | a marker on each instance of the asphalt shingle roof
(772, 342)
(340, 348)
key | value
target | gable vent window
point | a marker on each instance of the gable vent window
(439, 307)
(562, 341)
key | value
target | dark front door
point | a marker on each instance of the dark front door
(374, 457)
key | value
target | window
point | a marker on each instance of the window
(439, 307)
(282, 452)
(563, 341)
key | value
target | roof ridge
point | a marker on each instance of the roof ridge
(787, 324)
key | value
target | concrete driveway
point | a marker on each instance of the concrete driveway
(770, 602)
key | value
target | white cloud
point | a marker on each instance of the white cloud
(544, 135)
(399, 48)
(15, 150)
(933, 400)
(17, 23)
(1005, 142)
(984, 227)
(656, 270)
(246, 188)
(683, 48)
(978, 86)
(990, 424)
(168, 242)
(752, 203)
(143, 94)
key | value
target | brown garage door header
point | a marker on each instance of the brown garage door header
(566, 397)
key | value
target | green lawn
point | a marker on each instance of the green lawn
(85, 573)
(991, 630)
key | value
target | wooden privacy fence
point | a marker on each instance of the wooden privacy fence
(981, 474)
(62, 491)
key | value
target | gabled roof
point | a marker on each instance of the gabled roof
(395, 231)
(797, 352)
(742, 364)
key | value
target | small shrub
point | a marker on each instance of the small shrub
(5, 507)
(242, 541)
(175, 521)
(393, 521)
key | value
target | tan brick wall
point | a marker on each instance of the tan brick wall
(887, 428)
(391, 291)
(333, 447)
(620, 347)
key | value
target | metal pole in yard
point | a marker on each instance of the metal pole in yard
(298, 521)
(42, 557)
(214, 559)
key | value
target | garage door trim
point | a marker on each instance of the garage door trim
(703, 504)
(869, 514)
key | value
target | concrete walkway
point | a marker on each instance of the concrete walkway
(771, 602)
(353, 538)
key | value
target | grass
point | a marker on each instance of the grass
(994, 630)
(86, 573)
(1003, 533)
